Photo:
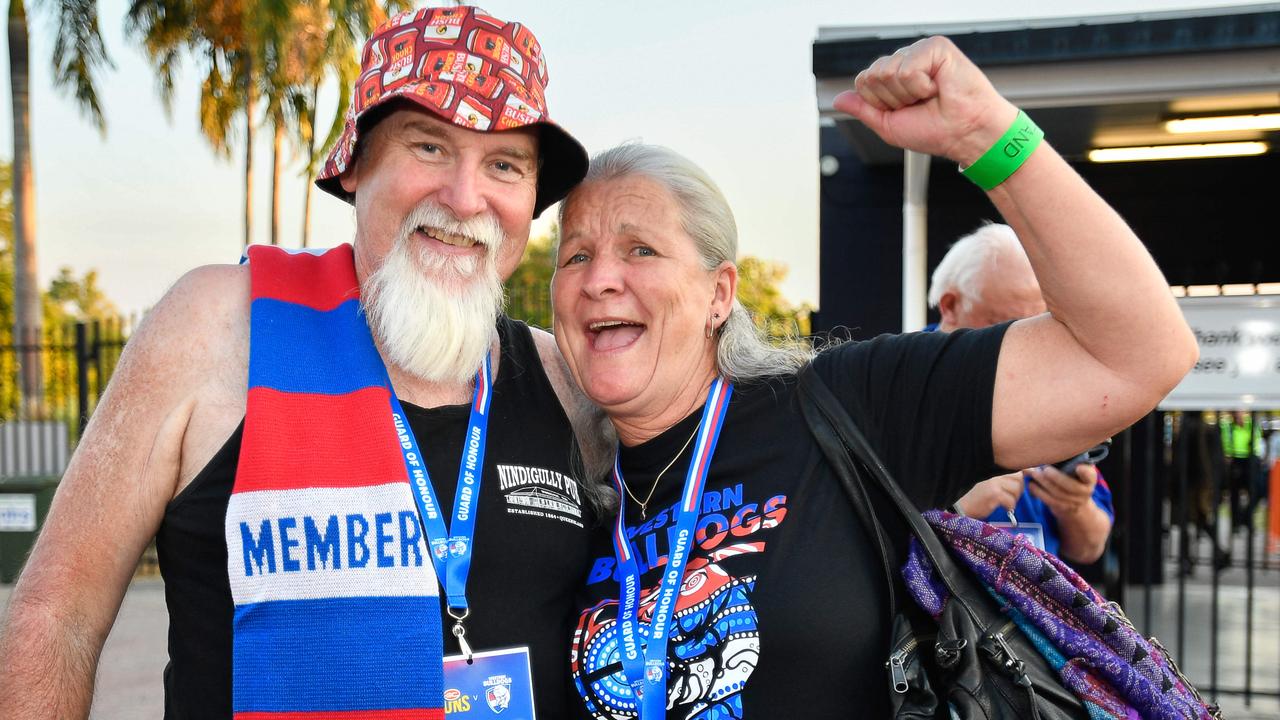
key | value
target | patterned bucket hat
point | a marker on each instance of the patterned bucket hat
(466, 67)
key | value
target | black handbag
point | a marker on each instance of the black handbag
(972, 661)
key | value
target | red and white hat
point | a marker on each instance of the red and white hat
(466, 67)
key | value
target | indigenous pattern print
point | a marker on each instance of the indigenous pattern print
(714, 646)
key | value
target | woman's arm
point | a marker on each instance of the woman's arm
(1114, 341)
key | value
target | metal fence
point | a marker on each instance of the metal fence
(1194, 563)
(50, 381)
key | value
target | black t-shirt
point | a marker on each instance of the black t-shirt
(531, 541)
(782, 610)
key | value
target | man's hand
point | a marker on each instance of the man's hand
(930, 98)
(1083, 526)
(999, 491)
(1065, 495)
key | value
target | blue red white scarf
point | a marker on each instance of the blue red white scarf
(337, 612)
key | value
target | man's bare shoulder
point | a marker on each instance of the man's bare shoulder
(198, 314)
(211, 296)
(557, 370)
(571, 396)
(595, 433)
(192, 352)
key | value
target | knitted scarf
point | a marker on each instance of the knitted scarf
(1116, 672)
(336, 605)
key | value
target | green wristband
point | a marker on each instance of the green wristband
(1007, 155)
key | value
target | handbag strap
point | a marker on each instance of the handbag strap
(850, 476)
(827, 418)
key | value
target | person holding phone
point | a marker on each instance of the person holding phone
(986, 279)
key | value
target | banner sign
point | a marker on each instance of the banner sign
(1239, 366)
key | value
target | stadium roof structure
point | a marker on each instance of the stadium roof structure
(1091, 82)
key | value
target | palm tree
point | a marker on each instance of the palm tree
(326, 39)
(276, 50)
(78, 52)
(272, 38)
(216, 33)
(337, 56)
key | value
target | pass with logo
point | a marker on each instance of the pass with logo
(1031, 531)
(497, 682)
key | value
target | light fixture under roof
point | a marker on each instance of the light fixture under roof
(1177, 152)
(1224, 123)
(1203, 291)
(1225, 103)
(1238, 289)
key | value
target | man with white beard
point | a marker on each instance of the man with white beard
(296, 465)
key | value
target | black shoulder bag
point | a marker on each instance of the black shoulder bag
(973, 661)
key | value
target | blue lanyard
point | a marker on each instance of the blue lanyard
(645, 668)
(451, 552)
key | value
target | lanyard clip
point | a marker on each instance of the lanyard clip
(460, 633)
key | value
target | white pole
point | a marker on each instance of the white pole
(915, 239)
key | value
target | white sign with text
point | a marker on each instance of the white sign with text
(17, 513)
(1239, 366)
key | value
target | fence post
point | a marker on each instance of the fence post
(84, 355)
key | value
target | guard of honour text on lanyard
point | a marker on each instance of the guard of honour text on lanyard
(644, 663)
(451, 553)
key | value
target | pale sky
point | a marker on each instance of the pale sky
(728, 84)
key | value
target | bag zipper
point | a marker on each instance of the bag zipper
(896, 670)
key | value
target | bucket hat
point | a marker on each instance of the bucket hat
(466, 67)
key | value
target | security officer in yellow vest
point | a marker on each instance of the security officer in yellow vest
(1242, 445)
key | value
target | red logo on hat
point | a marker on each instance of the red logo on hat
(496, 47)
(517, 113)
(439, 94)
(473, 113)
(401, 63)
(443, 25)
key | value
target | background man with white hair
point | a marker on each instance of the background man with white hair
(985, 279)
(284, 453)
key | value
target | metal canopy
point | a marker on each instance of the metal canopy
(1090, 82)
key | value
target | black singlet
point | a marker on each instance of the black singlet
(531, 544)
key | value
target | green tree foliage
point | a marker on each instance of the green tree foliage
(6, 253)
(529, 290)
(529, 287)
(78, 52)
(758, 282)
(68, 300)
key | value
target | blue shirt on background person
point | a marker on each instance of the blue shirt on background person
(1031, 509)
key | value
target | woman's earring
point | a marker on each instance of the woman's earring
(711, 327)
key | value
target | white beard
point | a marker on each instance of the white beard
(433, 314)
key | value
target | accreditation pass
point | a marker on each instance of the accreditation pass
(495, 681)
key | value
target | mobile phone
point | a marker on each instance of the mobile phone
(1092, 456)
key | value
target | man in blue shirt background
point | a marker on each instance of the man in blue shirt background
(985, 279)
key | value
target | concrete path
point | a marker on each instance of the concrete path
(129, 685)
